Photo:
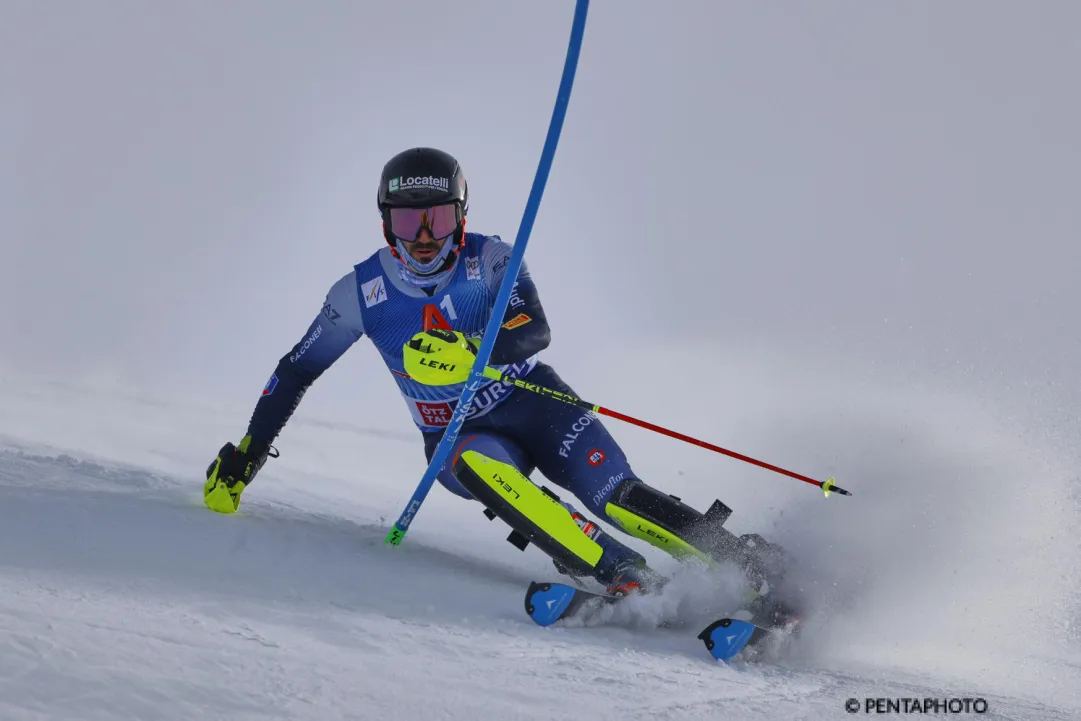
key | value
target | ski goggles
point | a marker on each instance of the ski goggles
(406, 223)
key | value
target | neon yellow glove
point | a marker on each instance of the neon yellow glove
(440, 357)
(232, 471)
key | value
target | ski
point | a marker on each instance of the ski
(548, 603)
(727, 638)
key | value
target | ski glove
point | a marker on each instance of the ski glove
(440, 357)
(232, 471)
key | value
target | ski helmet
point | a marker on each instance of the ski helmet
(424, 178)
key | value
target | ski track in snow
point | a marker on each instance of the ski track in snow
(122, 597)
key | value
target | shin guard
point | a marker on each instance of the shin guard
(535, 516)
(671, 525)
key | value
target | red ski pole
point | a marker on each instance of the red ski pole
(827, 486)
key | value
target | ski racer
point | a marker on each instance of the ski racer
(424, 300)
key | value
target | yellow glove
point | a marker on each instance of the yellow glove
(232, 471)
(440, 357)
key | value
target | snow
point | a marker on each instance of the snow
(122, 597)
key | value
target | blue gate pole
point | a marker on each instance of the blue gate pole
(476, 376)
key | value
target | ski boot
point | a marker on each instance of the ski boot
(621, 570)
(630, 577)
(683, 532)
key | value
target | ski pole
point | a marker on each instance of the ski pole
(827, 486)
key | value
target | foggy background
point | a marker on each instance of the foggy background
(892, 184)
(843, 235)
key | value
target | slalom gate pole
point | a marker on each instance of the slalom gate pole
(477, 378)
(827, 486)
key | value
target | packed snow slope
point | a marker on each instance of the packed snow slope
(950, 573)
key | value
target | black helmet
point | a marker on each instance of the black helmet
(422, 176)
(419, 178)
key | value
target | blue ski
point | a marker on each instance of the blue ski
(547, 603)
(727, 638)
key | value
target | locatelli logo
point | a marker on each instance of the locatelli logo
(427, 182)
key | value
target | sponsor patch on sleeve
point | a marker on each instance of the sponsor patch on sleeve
(271, 384)
(518, 320)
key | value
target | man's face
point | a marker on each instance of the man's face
(424, 231)
(425, 248)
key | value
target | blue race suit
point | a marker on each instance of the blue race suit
(567, 445)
